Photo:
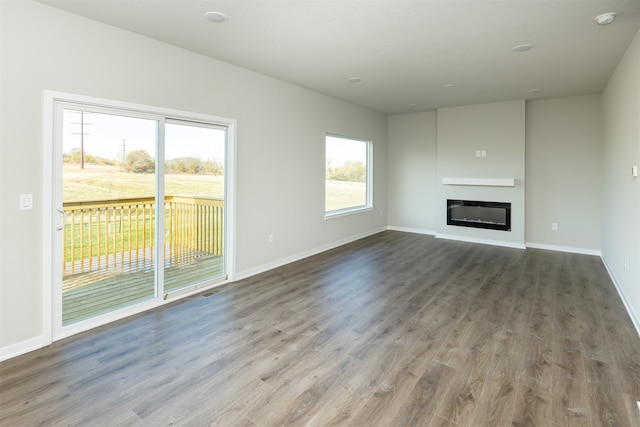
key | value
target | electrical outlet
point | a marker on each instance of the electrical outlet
(272, 238)
(554, 226)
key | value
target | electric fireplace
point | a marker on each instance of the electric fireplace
(479, 214)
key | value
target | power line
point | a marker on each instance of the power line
(82, 134)
(124, 150)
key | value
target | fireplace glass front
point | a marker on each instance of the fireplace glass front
(479, 214)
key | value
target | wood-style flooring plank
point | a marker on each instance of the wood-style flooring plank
(532, 406)
(604, 394)
(496, 401)
(428, 393)
(460, 400)
(397, 387)
(569, 394)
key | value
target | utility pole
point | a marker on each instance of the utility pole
(124, 150)
(82, 134)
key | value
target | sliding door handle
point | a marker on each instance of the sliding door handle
(64, 219)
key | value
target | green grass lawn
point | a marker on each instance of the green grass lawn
(344, 194)
(107, 182)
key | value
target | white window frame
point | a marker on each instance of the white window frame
(368, 206)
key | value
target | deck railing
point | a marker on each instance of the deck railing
(119, 234)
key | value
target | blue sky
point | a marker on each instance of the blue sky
(104, 134)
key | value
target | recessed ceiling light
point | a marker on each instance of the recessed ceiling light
(449, 85)
(355, 79)
(606, 18)
(216, 17)
(533, 90)
(412, 105)
(522, 47)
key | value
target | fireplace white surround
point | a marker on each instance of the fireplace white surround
(499, 130)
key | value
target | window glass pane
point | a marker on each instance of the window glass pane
(346, 174)
(107, 156)
(108, 194)
(194, 203)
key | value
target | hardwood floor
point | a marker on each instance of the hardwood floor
(396, 329)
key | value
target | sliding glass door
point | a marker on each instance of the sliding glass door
(139, 204)
(194, 203)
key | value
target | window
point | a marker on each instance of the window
(347, 175)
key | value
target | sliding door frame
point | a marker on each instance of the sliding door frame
(51, 331)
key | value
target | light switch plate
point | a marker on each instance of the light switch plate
(26, 202)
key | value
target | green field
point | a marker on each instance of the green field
(107, 182)
(342, 194)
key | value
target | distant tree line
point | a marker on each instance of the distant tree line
(74, 157)
(193, 166)
(350, 171)
(139, 161)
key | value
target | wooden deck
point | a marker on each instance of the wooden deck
(85, 295)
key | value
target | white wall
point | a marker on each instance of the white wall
(564, 173)
(499, 129)
(412, 172)
(621, 201)
(280, 158)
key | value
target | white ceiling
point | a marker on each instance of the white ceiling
(404, 51)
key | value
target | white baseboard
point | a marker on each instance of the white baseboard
(632, 314)
(21, 348)
(411, 230)
(297, 257)
(569, 249)
(481, 241)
